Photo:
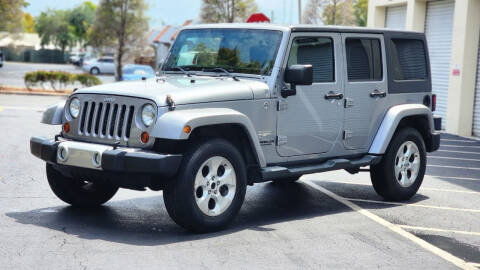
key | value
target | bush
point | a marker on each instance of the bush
(58, 78)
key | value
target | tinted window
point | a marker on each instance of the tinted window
(364, 59)
(317, 52)
(408, 59)
(108, 60)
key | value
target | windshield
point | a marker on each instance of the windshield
(235, 50)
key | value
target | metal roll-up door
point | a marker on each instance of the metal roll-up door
(476, 106)
(438, 30)
(395, 17)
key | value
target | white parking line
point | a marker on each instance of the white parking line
(454, 177)
(464, 146)
(422, 243)
(416, 205)
(474, 264)
(454, 158)
(454, 167)
(460, 152)
(451, 140)
(22, 108)
(438, 230)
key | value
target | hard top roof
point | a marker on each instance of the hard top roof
(299, 28)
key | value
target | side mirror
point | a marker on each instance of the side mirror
(297, 75)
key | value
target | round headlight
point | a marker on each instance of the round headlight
(148, 115)
(74, 107)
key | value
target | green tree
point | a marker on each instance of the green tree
(120, 23)
(361, 12)
(80, 20)
(52, 27)
(219, 11)
(11, 15)
(339, 12)
(28, 23)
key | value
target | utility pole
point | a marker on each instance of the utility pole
(299, 11)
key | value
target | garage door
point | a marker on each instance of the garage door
(395, 17)
(476, 108)
(438, 29)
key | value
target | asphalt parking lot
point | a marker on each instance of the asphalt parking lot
(12, 73)
(326, 221)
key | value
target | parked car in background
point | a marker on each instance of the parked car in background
(100, 65)
(137, 72)
(1, 58)
(77, 58)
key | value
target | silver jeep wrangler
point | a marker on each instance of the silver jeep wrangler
(238, 104)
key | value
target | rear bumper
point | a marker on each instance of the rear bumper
(120, 160)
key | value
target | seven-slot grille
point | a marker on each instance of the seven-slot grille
(106, 120)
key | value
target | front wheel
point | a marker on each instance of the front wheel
(95, 71)
(400, 173)
(77, 192)
(210, 187)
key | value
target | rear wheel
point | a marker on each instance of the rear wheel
(210, 187)
(95, 71)
(77, 192)
(400, 173)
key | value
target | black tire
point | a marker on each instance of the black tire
(179, 195)
(79, 193)
(94, 71)
(383, 175)
(286, 180)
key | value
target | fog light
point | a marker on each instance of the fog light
(144, 137)
(66, 127)
(62, 154)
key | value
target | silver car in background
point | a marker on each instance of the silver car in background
(99, 66)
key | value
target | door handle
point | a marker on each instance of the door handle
(333, 95)
(378, 94)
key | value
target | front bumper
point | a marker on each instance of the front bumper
(120, 160)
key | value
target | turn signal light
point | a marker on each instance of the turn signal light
(187, 129)
(144, 137)
(66, 127)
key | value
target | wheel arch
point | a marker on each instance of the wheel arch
(417, 116)
(212, 122)
(53, 115)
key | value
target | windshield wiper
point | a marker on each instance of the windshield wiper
(222, 70)
(182, 70)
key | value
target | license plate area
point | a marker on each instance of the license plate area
(79, 154)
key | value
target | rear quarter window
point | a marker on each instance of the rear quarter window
(408, 59)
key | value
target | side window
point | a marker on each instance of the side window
(316, 51)
(408, 59)
(364, 59)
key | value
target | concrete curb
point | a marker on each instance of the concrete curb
(11, 90)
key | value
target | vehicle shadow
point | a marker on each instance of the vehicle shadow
(144, 221)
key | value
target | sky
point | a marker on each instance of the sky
(175, 12)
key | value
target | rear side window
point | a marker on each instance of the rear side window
(316, 51)
(408, 59)
(364, 59)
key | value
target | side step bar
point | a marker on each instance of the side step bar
(275, 172)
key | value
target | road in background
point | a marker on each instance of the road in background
(292, 226)
(12, 73)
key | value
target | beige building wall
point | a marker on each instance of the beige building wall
(465, 40)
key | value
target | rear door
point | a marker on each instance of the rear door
(365, 88)
(309, 123)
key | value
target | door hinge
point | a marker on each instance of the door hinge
(348, 102)
(282, 105)
(281, 140)
(347, 134)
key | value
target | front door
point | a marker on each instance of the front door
(310, 122)
(365, 88)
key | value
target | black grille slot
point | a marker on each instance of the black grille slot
(105, 119)
(114, 118)
(121, 119)
(84, 114)
(90, 118)
(129, 121)
(99, 114)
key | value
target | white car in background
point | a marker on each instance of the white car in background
(100, 65)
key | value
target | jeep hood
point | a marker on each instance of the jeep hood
(185, 90)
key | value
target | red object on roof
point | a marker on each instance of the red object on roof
(258, 17)
(187, 22)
